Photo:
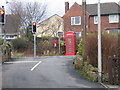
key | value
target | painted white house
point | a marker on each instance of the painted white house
(51, 26)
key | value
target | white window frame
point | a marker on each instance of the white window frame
(95, 19)
(73, 20)
(114, 18)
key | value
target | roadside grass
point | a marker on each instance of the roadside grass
(27, 54)
(88, 71)
(51, 54)
(16, 54)
(20, 55)
(87, 76)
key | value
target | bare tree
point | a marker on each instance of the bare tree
(55, 28)
(27, 12)
(15, 13)
(35, 11)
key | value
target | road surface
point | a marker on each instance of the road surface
(43, 72)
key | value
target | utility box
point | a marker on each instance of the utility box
(70, 40)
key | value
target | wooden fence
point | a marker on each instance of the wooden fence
(114, 70)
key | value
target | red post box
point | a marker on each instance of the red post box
(55, 43)
(70, 43)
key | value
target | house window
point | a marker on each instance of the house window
(78, 34)
(113, 18)
(76, 20)
(114, 31)
(95, 19)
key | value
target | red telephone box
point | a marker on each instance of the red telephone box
(55, 43)
(70, 43)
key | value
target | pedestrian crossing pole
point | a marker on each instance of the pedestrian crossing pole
(99, 45)
(34, 45)
(2, 21)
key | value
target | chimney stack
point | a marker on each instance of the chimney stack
(66, 6)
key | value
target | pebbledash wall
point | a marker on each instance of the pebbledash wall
(76, 10)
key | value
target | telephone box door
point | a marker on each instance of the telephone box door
(70, 43)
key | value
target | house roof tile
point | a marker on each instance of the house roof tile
(106, 8)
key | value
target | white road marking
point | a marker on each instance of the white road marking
(19, 62)
(36, 65)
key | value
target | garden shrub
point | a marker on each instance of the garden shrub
(109, 48)
(80, 46)
(86, 69)
(20, 44)
(1, 41)
(45, 46)
(62, 46)
(6, 51)
(91, 48)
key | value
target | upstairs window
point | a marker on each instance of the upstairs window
(76, 20)
(113, 18)
(95, 19)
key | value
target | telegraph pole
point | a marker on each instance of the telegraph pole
(84, 27)
(99, 45)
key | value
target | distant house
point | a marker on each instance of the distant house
(50, 27)
(110, 17)
(10, 28)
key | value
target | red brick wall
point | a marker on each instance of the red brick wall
(104, 23)
(75, 10)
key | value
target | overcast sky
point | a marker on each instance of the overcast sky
(57, 6)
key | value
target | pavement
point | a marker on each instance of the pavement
(43, 72)
(0, 68)
(0, 76)
(112, 87)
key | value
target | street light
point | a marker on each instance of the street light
(99, 45)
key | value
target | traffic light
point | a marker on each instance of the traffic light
(34, 27)
(2, 14)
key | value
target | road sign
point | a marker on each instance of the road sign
(60, 34)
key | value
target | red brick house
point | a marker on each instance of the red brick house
(110, 17)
